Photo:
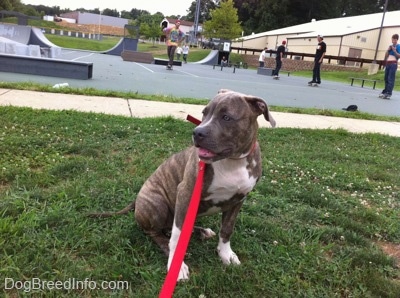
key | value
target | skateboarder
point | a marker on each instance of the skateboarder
(278, 60)
(174, 37)
(319, 57)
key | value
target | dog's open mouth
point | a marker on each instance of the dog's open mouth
(205, 154)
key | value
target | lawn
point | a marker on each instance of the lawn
(317, 225)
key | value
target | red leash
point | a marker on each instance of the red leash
(170, 281)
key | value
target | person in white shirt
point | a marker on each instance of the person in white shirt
(178, 53)
(185, 52)
(262, 57)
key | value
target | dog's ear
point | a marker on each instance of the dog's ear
(261, 107)
(224, 91)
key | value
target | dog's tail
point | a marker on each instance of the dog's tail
(126, 210)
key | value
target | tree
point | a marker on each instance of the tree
(205, 8)
(150, 25)
(111, 12)
(264, 15)
(135, 14)
(224, 22)
(11, 5)
(6, 5)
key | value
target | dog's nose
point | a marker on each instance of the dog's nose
(199, 133)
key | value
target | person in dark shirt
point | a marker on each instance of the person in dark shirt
(319, 57)
(392, 56)
(278, 59)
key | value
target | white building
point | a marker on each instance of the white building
(347, 36)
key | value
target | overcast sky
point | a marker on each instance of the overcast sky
(167, 7)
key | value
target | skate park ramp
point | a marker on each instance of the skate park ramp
(37, 37)
(125, 43)
(17, 39)
(26, 50)
(27, 35)
(16, 33)
(210, 59)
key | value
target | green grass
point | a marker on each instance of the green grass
(311, 228)
(70, 42)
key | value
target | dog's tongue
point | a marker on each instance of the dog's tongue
(204, 153)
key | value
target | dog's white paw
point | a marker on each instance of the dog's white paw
(183, 273)
(207, 233)
(226, 254)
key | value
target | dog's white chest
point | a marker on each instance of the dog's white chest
(230, 177)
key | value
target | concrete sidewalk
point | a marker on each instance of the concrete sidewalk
(143, 108)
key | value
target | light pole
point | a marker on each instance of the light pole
(196, 20)
(380, 30)
(99, 24)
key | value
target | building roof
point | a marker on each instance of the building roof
(183, 22)
(336, 27)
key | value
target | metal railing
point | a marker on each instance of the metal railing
(341, 60)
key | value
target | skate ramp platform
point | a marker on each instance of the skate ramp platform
(48, 49)
(46, 66)
(20, 34)
(210, 59)
(26, 50)
(21, 40)
(124, 44)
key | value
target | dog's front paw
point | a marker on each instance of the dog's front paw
(226, 254)
(183, 273)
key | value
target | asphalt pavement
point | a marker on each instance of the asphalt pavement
(203, 81)
(195, 80)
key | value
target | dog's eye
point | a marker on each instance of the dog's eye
(226, 118)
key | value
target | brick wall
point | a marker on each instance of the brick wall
(293, 65)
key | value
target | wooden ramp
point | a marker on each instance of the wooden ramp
(139, 57)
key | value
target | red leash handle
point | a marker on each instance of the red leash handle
(193, 120)
(172, 276)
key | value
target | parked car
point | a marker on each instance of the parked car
(212, 43)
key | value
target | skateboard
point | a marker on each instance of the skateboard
(169, 67)
(276, 78)
(313, 84)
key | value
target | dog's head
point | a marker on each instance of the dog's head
(229, 126)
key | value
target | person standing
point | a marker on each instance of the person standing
(262, 57)
(185, 52)
(391, 56)
(319, 57)
(174, 37)
(278, 59)
(178, 53)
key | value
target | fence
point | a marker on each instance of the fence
(296, 61)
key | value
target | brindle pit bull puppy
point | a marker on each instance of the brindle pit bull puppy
(227, 141)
